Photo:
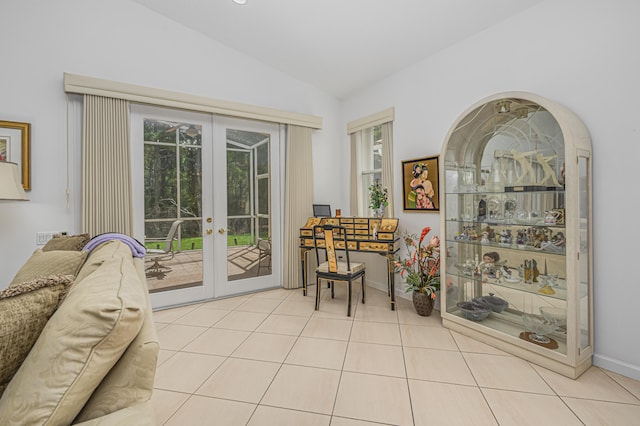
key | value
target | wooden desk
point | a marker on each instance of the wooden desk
(360, 238)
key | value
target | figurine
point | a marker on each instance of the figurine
(548, 171)
(556, 244)
(538, 236)
(525, 166)
(490, 259)
(521, 238)
(491, 233)
(505, 237)
(485, 238)
(531, 272)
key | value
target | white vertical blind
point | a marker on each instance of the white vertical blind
(298, 199)
(106, 170)
(355, 200)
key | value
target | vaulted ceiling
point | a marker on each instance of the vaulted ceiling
(338, 46)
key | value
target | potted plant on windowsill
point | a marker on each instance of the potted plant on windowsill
(378, 198)
(421, 269)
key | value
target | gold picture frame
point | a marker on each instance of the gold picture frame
(21, 132)
(420, 190)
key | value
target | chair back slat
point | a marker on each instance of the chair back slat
(327, 244)
(331, 250)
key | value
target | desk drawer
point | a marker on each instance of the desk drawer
(379, 247)
(352, 245)
(308, 242)
(385, 236)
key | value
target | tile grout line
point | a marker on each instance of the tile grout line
(281, 364)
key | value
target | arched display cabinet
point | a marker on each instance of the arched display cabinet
(516, 225)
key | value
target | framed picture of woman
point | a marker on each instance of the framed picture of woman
(420, 185)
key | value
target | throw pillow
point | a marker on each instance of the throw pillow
(67, 242)
(40, 264)
(24, 311)
(79, 345)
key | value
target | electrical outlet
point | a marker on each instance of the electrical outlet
(43, 237)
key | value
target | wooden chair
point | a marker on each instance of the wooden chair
(327, 239)
(166, 251)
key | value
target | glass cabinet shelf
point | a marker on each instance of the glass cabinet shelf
(558, 286)
(509, 247)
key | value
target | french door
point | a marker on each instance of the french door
(213, 178)
(246, 207)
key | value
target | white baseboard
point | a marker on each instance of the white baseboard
(617, 366)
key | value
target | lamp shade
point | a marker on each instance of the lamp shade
(10, 185)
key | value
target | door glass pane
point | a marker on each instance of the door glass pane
(248, 204)
(172, 196)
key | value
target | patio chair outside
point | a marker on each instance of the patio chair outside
(166, 252)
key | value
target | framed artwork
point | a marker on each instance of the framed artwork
(5, 146)
(420, 185)
(15, 146)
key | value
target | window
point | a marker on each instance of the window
(370, 165)
(371, 159)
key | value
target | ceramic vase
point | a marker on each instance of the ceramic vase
(423, 303)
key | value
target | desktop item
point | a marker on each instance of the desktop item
(322, 210)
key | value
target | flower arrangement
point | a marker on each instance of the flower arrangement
(378, 195)
(421, 269)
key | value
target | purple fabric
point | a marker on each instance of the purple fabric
(137, 249)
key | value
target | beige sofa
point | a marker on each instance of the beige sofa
(94, 360)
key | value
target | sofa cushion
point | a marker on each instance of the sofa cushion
(97, 256)
(130, 381)
(24, 310)
(67, 242)
(81, 342)
(58, 262)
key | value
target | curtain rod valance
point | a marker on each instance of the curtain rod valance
(371, 120)
(94, 86)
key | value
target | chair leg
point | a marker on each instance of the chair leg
(363, 289)
(332, 285)
(349, 299)
(317, 294)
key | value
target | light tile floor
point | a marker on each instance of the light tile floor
(270, 359)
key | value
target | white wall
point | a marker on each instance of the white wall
(582, 54)
(122, 41)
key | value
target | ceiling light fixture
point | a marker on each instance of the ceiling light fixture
(240, 1)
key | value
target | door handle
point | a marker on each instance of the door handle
(221, 231)
(209, 231)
